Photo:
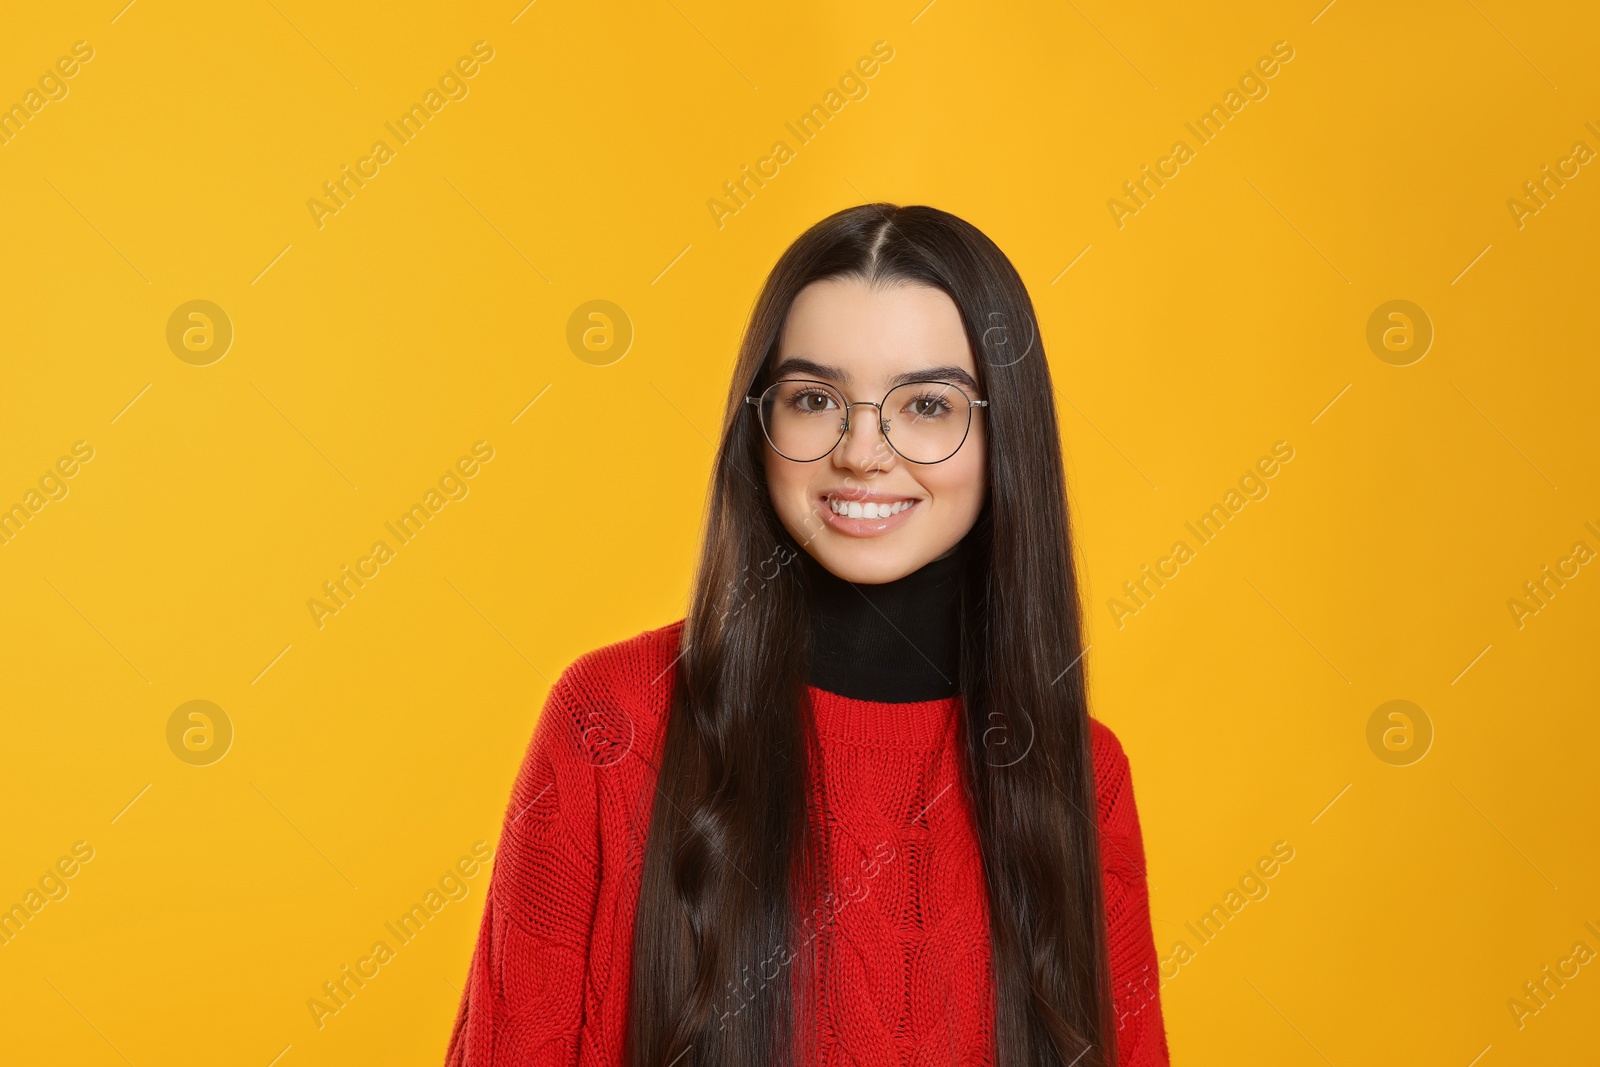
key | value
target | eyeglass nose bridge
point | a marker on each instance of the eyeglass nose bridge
(844, 422)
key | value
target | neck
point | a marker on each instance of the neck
(894, 642)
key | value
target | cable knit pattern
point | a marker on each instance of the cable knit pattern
(903, 972)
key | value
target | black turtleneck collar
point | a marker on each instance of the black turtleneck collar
(895, 642)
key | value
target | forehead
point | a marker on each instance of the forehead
(871, 334)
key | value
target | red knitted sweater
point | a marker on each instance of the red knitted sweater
(905, 978)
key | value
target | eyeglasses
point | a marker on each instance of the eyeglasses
(923, 422)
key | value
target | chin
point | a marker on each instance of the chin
(872, 564)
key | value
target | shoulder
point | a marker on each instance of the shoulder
(615, 697)
(1105, 742)
(1121, 840)
(630, 667)
(1113, 778)
(1110, 760)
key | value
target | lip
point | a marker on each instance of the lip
(865, 527)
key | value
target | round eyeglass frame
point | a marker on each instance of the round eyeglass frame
(844, 423)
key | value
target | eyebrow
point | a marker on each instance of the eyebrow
(811, 368)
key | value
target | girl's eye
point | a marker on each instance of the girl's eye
(812, 400)
(927, 407)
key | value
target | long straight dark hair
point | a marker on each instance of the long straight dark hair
(730, 861)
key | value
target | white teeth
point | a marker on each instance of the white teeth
(855, 509)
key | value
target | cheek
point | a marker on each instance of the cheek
(787, 486)
(967, 483)
(958, 487)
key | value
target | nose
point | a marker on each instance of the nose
(864, 448)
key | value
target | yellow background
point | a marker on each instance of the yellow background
(370, 754)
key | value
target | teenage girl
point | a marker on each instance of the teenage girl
(852, 809)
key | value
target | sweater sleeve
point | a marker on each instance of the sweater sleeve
(524, 998)
(1135, 974)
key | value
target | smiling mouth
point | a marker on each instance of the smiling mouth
(868, 509)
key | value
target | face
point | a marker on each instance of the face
(864, 341)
